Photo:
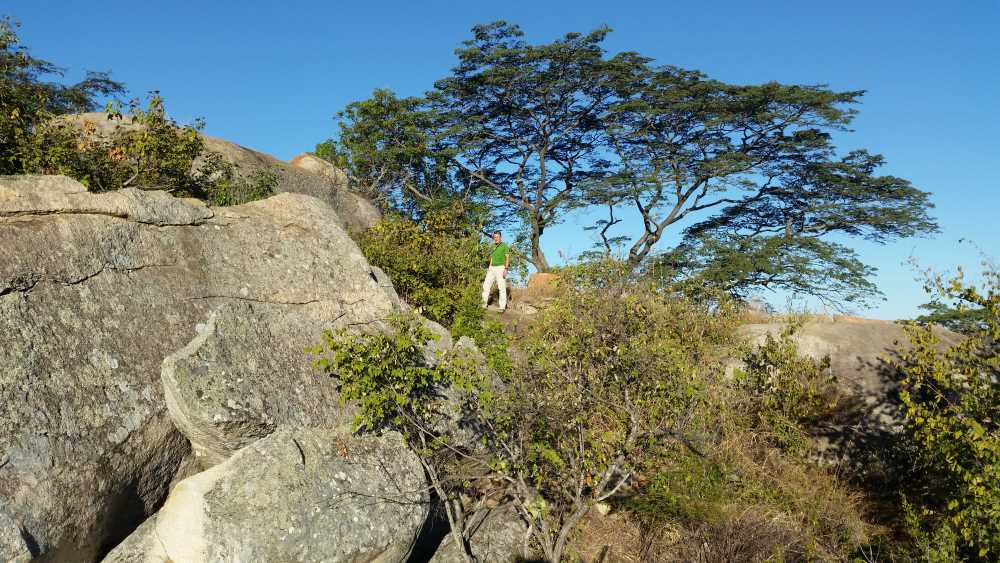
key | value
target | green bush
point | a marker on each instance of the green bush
(951, 397)
(781, 392)
(146, 150)
(437, 266)
(220, 183)
(388, 375)
(28, 100)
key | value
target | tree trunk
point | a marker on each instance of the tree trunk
(537, 256)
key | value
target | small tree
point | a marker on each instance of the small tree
(396, 386)
(952, 401)
(27, 100)
(611, 371)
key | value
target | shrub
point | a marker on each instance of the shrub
(431, 268)
(220, 183)
(782, 392)
(437, 266)
(388, 375)
(952, 403)
(397, 386)
(610, 373)
(27, 100)
(744, 489)
(146, 150)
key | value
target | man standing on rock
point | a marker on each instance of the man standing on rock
(497, 271)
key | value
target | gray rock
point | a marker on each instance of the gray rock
(297, 495)
(97, 289)
(358, 212)
(498, 537)
(860, 351)
(304, 175)
(13, 547)
(224, 395)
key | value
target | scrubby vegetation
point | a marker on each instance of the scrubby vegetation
(630, 387)
(139, 147)
(952, 401)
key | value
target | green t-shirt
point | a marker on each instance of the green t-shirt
(499, 255)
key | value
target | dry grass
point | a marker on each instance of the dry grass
(776, 509)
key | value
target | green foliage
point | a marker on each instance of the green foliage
(611, 370)
(389, 147)
(783, 392)
(746, 488)
(220, 183)
(952, 401)
(388, 375)
(145, 149)
(741, 266)
(535, 131)
(959, 317)
(685, 487)
(432, 270)
(27, 100)
(438, 267)
(138, 147)
(755, 160)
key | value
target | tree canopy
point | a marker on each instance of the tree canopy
(535, 131)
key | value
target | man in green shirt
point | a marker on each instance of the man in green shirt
(497, 271)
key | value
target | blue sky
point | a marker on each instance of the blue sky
(271, 76)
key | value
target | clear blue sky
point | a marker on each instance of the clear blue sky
(271, 75)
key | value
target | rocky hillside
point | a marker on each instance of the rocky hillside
(157, 402)
(147, 339)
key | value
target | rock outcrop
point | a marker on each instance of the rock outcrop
(13, 547)
(305, 174)
(297, 495)
(498, 536)
(859, 351)
(97, 289)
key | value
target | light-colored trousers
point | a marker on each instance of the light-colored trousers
(494, 274)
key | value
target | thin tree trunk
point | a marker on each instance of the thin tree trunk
(537, 256)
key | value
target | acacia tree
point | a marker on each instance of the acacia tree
(516, 126)
(533, 131)
(525, 120)
(757, 163)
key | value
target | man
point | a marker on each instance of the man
(497, 271)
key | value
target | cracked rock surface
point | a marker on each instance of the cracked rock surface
(297, 495)
(97, 289)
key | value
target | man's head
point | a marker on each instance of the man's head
(497, 236)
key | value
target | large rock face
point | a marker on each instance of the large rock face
(297, 495)
(305, 174)
(859, 351)
(97, 289)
